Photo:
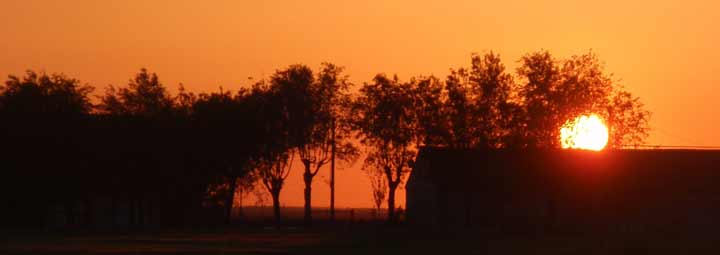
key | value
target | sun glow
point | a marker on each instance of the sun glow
(585, 132)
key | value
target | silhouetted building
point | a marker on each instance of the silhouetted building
(540, 190)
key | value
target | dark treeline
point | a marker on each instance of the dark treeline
(181, 159)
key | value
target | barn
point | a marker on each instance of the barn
(554, 189)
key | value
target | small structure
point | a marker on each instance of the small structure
(541, 190)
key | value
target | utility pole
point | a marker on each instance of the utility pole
(332, 173)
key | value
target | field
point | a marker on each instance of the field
(357, 231)
(346, 238)
(295, 214)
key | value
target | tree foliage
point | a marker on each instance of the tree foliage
(188, 153)
(40, 93)
(379, 189)
(386, 123)
(144, 96)
(481, 108)
(555, 91)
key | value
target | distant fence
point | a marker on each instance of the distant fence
(255, 213)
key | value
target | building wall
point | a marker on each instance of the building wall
(422, 206)
(562, 189)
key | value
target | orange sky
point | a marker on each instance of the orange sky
(664, 51)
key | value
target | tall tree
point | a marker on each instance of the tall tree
(330, 92)
(428, 108)
(480, 105)
(277, 144)
(304, 102)
(493, 88)
(555, 91)
(386, 123)
(308, 105)
(540, 74)
(227, 135)
(460, 110)
(336, 102)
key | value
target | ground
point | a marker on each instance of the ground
(347, 239)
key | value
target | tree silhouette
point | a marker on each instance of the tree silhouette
(304, 102)
(228, 137)
(42, 154)
(153, 147)
(273, 169)
(145, 96)
(276, 145)
(540, 74)
(493, 89)
(428, 108)
(379, 187)
(176, 157)
(40, 93)
(184, 101)
(336, 102)
(386, 123)
(460, 110)
(628, 120)
(308, 108)
(555, 91)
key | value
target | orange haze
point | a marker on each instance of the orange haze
(664, 51)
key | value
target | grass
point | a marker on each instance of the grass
(367, 238)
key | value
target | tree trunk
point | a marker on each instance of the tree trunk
(307, 177)
(232, 182)
(276, 205)
(391, 202)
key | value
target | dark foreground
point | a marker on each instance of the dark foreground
(357, 239)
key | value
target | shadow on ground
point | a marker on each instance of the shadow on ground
(349, 240)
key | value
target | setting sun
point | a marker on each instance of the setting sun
(585, 132)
